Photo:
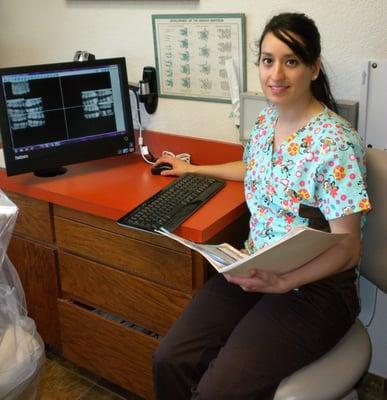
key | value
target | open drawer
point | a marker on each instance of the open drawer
(107, 348)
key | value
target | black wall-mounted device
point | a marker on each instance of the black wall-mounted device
(148, 89)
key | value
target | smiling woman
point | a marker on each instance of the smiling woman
(300, 156)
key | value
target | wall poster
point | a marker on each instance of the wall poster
(191, 51)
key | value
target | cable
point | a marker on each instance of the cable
(144, 149)
(183, 156)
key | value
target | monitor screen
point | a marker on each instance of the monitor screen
(58, 114)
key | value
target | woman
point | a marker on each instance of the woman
(241, 336)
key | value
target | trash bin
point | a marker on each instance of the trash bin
(21, 348)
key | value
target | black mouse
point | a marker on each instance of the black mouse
(157, 169)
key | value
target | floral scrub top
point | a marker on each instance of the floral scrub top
(321, 165)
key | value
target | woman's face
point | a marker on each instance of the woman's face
(285, 80)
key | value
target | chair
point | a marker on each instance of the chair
(335, 374)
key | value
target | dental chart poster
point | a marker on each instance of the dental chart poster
(191, 53)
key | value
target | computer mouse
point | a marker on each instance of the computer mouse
(157, 169)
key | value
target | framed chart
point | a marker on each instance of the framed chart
(191, 52)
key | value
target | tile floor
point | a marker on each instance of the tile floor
(61, 380)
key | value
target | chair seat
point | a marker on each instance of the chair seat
(333, 375)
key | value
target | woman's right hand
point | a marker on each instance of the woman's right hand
(233, 171)
(179, 167)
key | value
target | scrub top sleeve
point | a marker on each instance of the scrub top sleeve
(340, 181)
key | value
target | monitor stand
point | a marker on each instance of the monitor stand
(46, 173)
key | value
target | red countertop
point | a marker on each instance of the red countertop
(113, 186)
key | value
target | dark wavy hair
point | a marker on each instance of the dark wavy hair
(301, 35)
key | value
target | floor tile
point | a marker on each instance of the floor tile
(62, 380)
(58, 383)
(58, 358)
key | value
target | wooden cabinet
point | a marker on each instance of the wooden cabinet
(35, 218)
(141, 283)
(36, 266)
(33, 253)
(101, 293)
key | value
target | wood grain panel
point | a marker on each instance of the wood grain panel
(139, 301)
(34, 219)
(155, 263)
(112, 226)
(108, 349)
(36, 266)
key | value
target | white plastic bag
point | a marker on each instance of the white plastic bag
(21, 348)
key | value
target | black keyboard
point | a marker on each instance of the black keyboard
(169, 207)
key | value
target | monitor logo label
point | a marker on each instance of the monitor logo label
(21, 157)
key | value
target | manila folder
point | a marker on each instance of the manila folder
(292, 251)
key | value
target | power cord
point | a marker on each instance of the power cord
(144, 151)
(183, 156)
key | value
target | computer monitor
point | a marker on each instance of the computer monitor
(58, 114)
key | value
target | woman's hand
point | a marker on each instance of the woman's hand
(234, 170)
(260, 281)
(340, 257)
(179, 167)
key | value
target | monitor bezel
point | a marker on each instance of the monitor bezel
(70, 153)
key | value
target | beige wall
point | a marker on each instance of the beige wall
(40, 31)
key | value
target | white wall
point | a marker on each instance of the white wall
(40, 31)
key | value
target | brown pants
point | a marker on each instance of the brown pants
(233, 345)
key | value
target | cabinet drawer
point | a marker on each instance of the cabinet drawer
(156, 263)
(34, 219)
(108, 349)
(135, 299)
(112, 226)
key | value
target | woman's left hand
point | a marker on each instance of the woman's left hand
(260, 281)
